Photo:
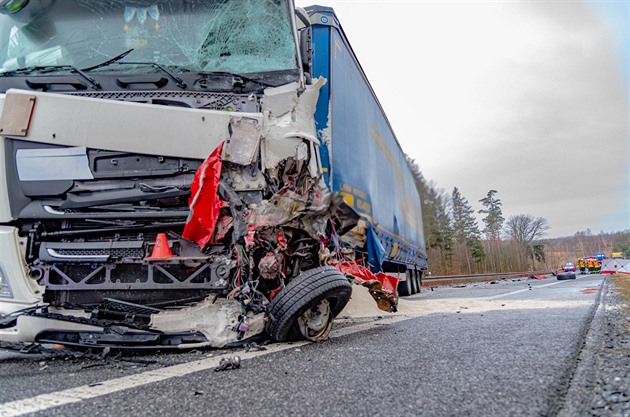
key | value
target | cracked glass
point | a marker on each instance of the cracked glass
(241, 36)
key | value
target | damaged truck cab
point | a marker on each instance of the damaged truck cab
(172, 176)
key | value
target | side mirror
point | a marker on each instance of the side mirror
(12, 6)
(301, 14)
(305, 34)
(305, 49)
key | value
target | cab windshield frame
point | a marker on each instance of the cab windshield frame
(244, 36)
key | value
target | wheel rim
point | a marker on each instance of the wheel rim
(316, 322)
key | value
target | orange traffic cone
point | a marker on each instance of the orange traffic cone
(161, 249)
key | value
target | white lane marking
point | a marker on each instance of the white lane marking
(73, 395)
(494, 297)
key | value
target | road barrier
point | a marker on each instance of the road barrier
(448, 279)
(616, 266)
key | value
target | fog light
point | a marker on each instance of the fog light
(12, 6)
(5, 288)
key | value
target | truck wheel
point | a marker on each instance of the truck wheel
(411, 277)
(308, 305)
(404, 287)
(417, 276)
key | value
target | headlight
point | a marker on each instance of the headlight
(12, 6)
(5, 288)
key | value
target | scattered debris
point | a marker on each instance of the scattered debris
(540, 276)
(254, 347)
(232, 363)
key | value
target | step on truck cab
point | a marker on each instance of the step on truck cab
(169, 177)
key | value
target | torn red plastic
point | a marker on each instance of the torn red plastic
(389, 283)
(382, 286)
(204, 201)
(539, 276)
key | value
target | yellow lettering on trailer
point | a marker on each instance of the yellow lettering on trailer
(394, 250)
(348, 198)
(364, 206)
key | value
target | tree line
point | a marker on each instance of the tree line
(457, 244)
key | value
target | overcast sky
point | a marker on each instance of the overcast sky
(528, 98)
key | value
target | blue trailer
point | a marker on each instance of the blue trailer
(361, 156)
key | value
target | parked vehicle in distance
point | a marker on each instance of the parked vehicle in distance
(565, 275)
(569, 266)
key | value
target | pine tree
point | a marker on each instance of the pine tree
(436, 221)
(443, 232)
(494, 216)
(465, 228)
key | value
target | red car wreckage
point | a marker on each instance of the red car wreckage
(264, 259)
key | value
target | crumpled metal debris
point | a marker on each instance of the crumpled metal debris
(382, 287)
(229, 363)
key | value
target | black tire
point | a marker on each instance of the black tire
(418, 277)
(405, 287)
(565, 275)
(411, 276)
(302, 293)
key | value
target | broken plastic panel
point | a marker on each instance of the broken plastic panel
(53, 164)
(376, 251)
(244, 141)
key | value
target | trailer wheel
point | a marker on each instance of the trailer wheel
(308, 304)
(417, 276)
(413, 276)
(405, 287)
(416, 281)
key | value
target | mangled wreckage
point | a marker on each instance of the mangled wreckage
(189, 174)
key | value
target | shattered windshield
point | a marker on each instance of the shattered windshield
(241, 36)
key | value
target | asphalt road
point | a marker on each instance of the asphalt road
(509, 348)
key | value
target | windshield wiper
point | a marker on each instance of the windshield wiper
(109, 61)
(238, 79)
(52, 68)
(178, 81)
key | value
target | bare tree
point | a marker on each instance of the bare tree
(525, 229)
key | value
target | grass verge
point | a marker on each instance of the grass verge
(622, 282)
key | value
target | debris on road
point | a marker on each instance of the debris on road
(254, 347)
(539, 276)
(232, 363)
